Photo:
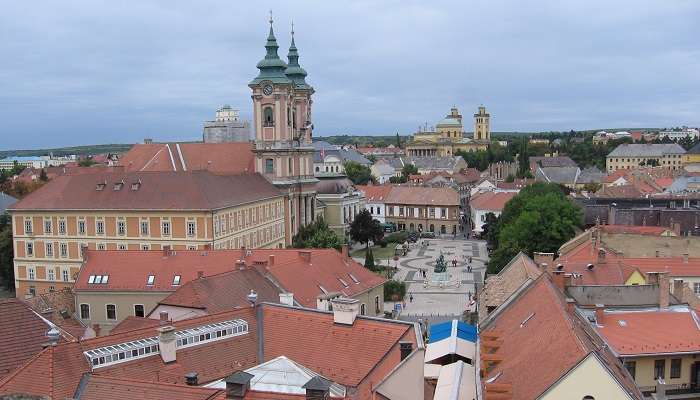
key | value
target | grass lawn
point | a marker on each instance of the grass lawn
(380, 254)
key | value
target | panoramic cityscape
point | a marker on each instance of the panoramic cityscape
(223, 201)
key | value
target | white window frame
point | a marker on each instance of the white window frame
(48, 249)
(62, 226)
(147, 225)
(48, 223)
(163, 223)
(122, 246)
(50, 274)
(31, 273)
(65, 275)
(193, 225)
(99, 227)
(28, 226)
(61, 247)
(82, 227)
(107, 318)
(145, 246)
(101, 246)
(121, 227)
(142, 306)
(29, 248)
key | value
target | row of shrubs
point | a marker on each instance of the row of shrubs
(394, 290)
(395, 237)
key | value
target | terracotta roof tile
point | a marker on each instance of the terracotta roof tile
(131, 323)
(633, 229)
(344, 354)
(493, 201)
(157, 191)
(417, 195)
(644, 333)
(219, 158)
(99, 387)
(375, 193)
(23, 334)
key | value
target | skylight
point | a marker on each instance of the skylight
(357, 281)
(97, 279)
(91, 279)
(529, 317)
(151, 279)
(100, 187)
(176, 280)
(118, 186)
(343, 282)
(622, 322)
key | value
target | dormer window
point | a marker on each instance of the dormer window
(151, 280)
(91, 279)
(136, 185)
(118, 186)
(101, 186)
(176, 280)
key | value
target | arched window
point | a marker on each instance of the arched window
(317, 169)
(289, 116)
(294, 119)
(268, 117)
(411, 227)
(432, 228)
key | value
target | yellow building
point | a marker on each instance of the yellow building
(448, 136)
(137, 211)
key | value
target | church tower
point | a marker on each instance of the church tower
(283, 130)
(482, 127)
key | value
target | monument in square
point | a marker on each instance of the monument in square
(440, 275)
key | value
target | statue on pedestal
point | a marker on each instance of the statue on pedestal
(440, 265)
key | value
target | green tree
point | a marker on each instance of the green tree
(398, 140)
(539, 218)
(316, 235)
(408, 170)
(369, 260)
(7, 271)
(359, 174)
(398, 179)
(490, 230)
(86, 162)
(523, 158)
(365, 228)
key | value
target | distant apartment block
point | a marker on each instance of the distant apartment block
(630, 156)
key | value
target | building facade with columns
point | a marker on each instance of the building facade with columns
(283, 131)
(448, 136)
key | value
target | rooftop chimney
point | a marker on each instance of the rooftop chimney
(237, 385)
(287, 298)
(240, 264)
(200, 274)
(345, 310)
(317, 388)
(53, 335)
(558, 279)
(271, 260)
(191, 379)
(664, 289)
(166, 250)
(344, 252)
(601, 256)
(167, 343)
(305, 255)
(96, 328)
(678, 289)
(252, 297)
(570, 305)
(163, 317)
(543, 258)
(599, 314)
(406, 349)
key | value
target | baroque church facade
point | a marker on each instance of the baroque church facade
(448, 136)
(283, 132)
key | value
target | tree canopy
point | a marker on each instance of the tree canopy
(540, 218)
(7, 270)
(359, 174)
(316, 235)
(365, 229)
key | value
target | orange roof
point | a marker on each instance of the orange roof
(492, 201)
(220, 158)
(537, 320)
(198, 190)
(328, 271)
(634, 229)
(375, 193)
(23, 333)
(644, 333)
(107, 388)
(344, 354)
(131, 323)
(423, 196)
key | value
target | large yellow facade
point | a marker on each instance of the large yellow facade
(448, 136)
(48, 256)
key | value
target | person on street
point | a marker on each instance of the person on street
(410, 298)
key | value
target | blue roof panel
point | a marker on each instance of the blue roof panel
(443, 330)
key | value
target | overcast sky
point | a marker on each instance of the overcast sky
(89, 72)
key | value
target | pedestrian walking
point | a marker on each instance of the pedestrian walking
(410, 297)
(470, 260)
(469, 268)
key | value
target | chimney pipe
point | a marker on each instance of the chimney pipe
(345, 310)
(53, 335)
(163, 317)
(558, 279)
(601, 256)
(252, 297)
(191, 379)
(200, 274)
(237, 385)
(600, 314)
(167, 343)
(570, 306)
(166, 250)
(678, 289)
(344, 252)
(406, 349)
(271, 260)
(97, 329)
(664, 290)
(305, 255)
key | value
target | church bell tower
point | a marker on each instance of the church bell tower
(482, 128)
(283, 131)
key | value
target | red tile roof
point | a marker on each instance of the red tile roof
(99, 387)
(131, 323)
(492, 201)
(344, 354)
(224, 291)
(645, 333)
(537, 319)
(634, 229)
(423, 196)
(23, 334)
(375, 193)
(219, 158)
(157, 191)
(129, 269)
(326, 269)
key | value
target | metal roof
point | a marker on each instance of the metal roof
(646, 150)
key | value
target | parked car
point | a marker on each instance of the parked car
(428, 235)
(412, 237)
